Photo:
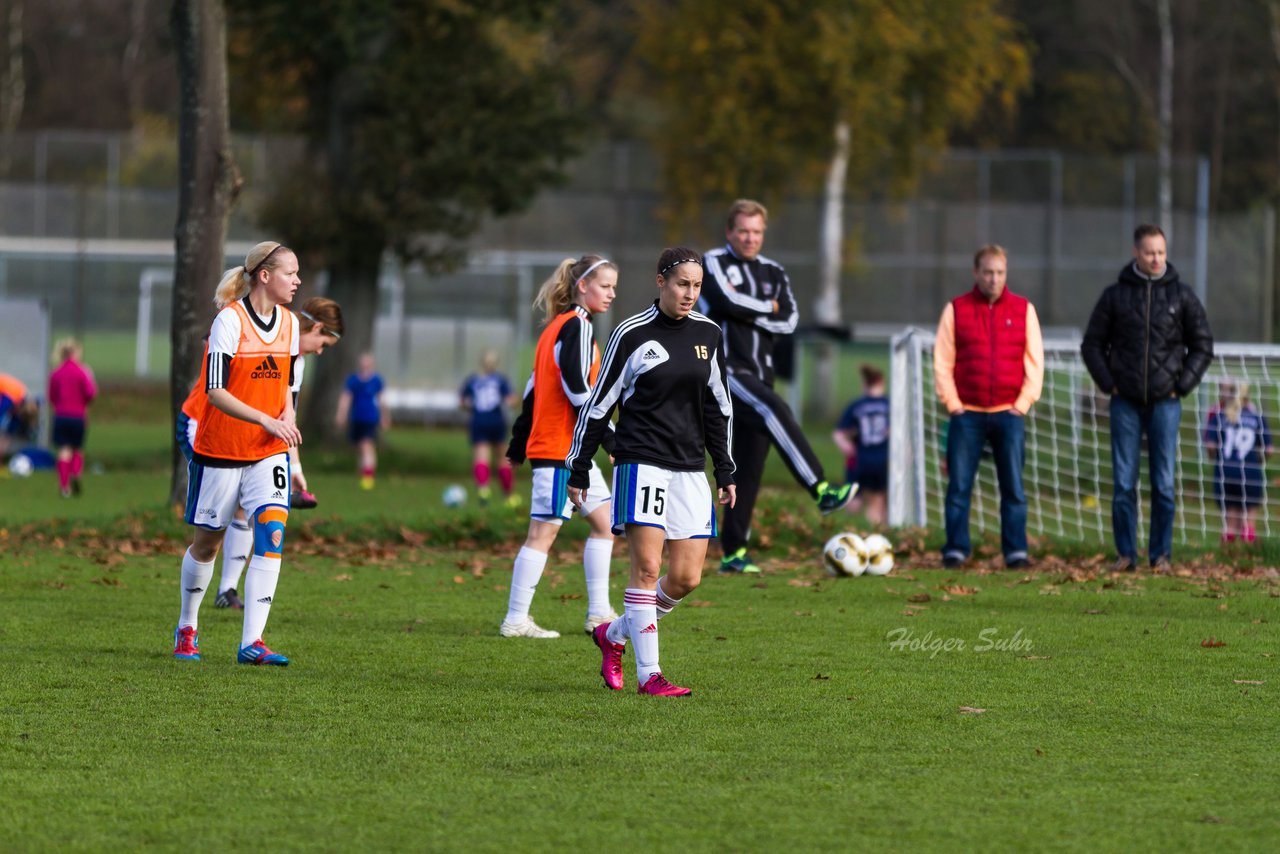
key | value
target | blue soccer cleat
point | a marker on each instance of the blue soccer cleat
(257, 653)
(186, 643)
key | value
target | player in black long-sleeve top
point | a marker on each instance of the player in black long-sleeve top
(750, 297)
(663, 372)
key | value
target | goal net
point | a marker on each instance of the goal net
(1067, 476)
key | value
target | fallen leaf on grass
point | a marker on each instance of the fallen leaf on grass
(700, 603)
(1210, 642)
(343, 577)
(458, 579)
(1050, 590)
(1249, 681)
(821, 678)
(1210, 819)
(971, 710)
(919, 597)
(108, 581)
(1037, 657)
(960, 589)
(802, 613)
(1095, 611)
(799, 582)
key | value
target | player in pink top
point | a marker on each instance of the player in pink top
(71, 390)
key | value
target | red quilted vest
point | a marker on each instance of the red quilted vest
(991, 340)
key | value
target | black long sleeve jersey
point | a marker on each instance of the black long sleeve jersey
(668, 381)
(738, 295)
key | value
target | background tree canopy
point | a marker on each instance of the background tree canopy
(421, 120)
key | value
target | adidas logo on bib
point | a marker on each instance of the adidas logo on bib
(268, 370)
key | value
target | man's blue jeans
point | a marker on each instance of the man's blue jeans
(967, 433)
(1129, 421)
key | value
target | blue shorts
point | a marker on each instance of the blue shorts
(358, 431)
(182, 434)
(68, 432)
(872, 478)
(493, 432)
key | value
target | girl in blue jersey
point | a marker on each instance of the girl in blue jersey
(484, 396)
(862, 435)
(361, 400)
(1238, 439)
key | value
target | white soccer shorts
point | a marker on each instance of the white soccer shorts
(550, 501)
(213, 493)
(678, 501)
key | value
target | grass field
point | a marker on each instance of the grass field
(928, 710)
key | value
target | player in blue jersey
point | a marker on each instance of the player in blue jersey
(485, 395)
(862, 435)
(1237, 439)
(361, 401)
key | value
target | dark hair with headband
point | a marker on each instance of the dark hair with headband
(322, 312)
(675, 256)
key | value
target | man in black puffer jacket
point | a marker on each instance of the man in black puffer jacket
(1148, 345)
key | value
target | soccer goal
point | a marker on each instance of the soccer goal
(1068, 466)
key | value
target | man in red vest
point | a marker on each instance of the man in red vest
(988, 368)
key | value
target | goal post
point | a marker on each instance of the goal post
(1067, 476)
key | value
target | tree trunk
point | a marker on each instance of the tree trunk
(1275, 45)
(1164, 152)
(13, 83)
(207, 187)
(827, 308)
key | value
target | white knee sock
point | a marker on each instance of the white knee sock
(642, 618)
(195, 581)
(596, 555)
(237, 545)
(665, 603)
(524, 581)
(259, 589)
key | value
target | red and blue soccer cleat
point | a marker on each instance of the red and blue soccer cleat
(257, 653)
(611, 657)
(658, 686)
(186, 643)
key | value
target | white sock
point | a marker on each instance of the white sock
(524, 581)
(642, 617)
(237, 545)
(619, 630)
(665, 603)
(195, 581)
(259, 589)
(596, 555)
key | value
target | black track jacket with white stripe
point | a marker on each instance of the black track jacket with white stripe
(738, 295)
(668, 382)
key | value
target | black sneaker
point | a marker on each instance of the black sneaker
(952, 561)
(1018, 563)
(229, 598)
(833, 498)
(738, 563)
(75, 486)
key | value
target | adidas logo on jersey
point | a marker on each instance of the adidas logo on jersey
(268, 370)
(650, 354)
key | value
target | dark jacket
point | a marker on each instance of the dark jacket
(1147, 338)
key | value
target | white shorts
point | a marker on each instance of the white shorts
(680, 502)
(550, 501)
(214, 493)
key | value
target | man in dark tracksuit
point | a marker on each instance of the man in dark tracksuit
(1148, 345)
(750, 297)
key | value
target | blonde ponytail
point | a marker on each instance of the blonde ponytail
(237, 281)
(1235, 403)
(560, 291)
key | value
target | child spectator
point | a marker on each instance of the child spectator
(862, 435)
(71, 390)
(1237, 438)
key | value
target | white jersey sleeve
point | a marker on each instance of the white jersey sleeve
(224, 335)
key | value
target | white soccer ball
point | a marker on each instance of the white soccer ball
(20, 465)
(845, 555)
(879, 555)
(454, 496)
